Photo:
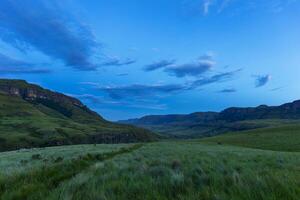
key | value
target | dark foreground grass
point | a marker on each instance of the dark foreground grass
(165, 170)
(283, 138)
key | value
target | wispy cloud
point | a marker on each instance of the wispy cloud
(118, 62)
(277, 89)
(228, 90)
(99, 101)
(94, 99)
(159, 64)
(218, 6)
(206, 6)
(122, 74)
(46, 27)
(218, 78)
(140, 90)
(152, 91)
(190, 69)
(10, 65)
(203, 64)
(223, 5)
(262, 80)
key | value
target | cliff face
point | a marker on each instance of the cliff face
(37, 95)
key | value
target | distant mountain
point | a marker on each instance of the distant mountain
(285, 111)
(201, 124)
(31, 116)
(174, 119)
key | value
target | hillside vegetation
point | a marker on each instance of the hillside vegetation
(33, 117)
(282, 138)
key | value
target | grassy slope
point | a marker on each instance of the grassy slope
(165, 170)
(189, 131)
(27, 125)
(282, 138)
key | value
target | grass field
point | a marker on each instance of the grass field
(25, 159)
(161, 170)
(283, 138)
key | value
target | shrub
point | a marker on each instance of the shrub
(159, 171)
(59, 159)
(36, 157)
(176, 165)
(24, 162)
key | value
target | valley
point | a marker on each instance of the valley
(54, 147)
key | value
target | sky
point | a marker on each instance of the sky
(127, 59)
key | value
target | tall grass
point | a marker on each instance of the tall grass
(38, 183)
(165, 170)
(282, 138)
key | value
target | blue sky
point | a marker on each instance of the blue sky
(126, 59)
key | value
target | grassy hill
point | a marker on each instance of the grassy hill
(32, 117)
(161, 170)
(279, 138)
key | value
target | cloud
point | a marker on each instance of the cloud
(237, 6)
(226, 76)
(262, 80)
(44, 26)
(140, 90)
(206, 5)
(224, 4)
(196, 68)
(144, 91)
(13, 66)
(190, 69)
(159, 64)
(277, 89)
(100, 101)
(122, 74)
(94, 99)
(118, 62)
(228, 90)
(89, 83)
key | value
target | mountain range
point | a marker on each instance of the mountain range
(31, 116)
(201, 124)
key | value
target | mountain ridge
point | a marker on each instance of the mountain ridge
(32, 116)
(223, 115)
(212, 123)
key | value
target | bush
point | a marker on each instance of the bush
(58, 159)
(24, 162)
(176, 165)
(36, 157)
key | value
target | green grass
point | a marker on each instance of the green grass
(21, 160)
(282, 138)
(162, 170)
